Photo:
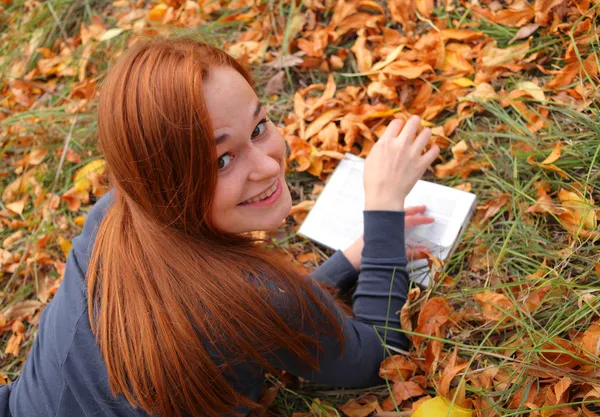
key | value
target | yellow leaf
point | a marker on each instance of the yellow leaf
(381, 114)
(390, 58)
(493, 56)
(554, 155)
(79, 221)
(439, 406)
(157, 13)
(82, 184)
(110, 33)
(463, 82)
(411, 72)
(531, 89)
(18, 206)
(65, 245)
(582, 211)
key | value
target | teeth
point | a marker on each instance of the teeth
(262, 196)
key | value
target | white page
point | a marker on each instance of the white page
(336, 220)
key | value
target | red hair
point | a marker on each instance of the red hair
(165, 287)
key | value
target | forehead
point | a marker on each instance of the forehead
(228, 96)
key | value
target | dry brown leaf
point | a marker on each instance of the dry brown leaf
(22, 310)
(524, 32)
(13, 346)
(361, 407)
(492, 56)
(543, 9)
(433, 315)
(590, 340)
(403, 12)
(397, 368)
(14, 237)
(402, 390)
(495, 306)
(320, 122)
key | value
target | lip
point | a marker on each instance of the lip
(267, 201)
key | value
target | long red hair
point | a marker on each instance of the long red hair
(165, 287)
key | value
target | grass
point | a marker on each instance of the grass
(515, 242)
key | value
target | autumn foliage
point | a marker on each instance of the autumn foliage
(510, 326)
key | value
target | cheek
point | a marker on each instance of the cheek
(227, 196)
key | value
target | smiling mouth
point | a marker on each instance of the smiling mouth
(262, 196)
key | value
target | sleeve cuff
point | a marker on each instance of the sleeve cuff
(384, 234)
(336, 271)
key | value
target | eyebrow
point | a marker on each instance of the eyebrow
(222, 138)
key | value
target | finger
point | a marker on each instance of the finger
(430, 156)
(393, 129)
(415, 209)
(413, 221)
(417, 252)
(410, 129)
(422, 140)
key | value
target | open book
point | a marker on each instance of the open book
(336, 220)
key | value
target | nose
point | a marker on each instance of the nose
(263, 166)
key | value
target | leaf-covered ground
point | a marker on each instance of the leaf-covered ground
(510, 90)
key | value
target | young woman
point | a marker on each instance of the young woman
(167, 307)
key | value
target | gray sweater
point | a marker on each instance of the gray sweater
(65, 375)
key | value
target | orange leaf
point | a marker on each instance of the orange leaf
(402, 390)
(364, 59)
(397, 368)
(554, 155)
(360, 407)
(425, 7)
(320, 122)
(492, 56)
(403, 12)
(13, 346)
(494, 304)
(591, 339)
(432, 317)
(543, 8)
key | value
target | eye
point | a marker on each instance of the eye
(224, 160)
(260, 128)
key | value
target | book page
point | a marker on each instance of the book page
(336, 220)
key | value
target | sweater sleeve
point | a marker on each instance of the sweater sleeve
(381, 292)
(336, 271)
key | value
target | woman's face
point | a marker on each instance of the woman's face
(251, 190)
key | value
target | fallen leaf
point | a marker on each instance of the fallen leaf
(492, 56)
(432, 317)
(13, 346)
(402, 390)
(360, 407)
(591, 339)
(65, 245)
(397, 368)
(14, 237)
(438, 407)
(80, 179)
(275, 84)
(320, 122)
(21, 310)
(495, 306)
(524, 32)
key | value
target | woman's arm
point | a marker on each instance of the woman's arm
(341, 269)
(381, 292)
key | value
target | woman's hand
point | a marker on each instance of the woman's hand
(395, 163)
(412, 218)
